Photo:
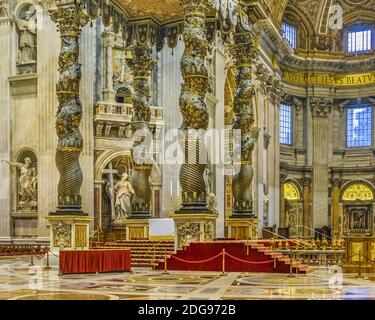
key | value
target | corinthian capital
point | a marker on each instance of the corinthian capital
(70, 16)
(321, 107)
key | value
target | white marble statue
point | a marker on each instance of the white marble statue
(124, 194)
(27, 37)
(27, 182)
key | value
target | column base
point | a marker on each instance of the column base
(191, 226)
(69, 232)
(242, 227)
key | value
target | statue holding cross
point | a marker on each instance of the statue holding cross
(120, 194)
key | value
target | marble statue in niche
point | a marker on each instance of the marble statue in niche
(27, 184)
(25, 23)
(124, 194)
(118, 190)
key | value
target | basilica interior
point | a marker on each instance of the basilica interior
(188, 131)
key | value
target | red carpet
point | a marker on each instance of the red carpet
(239, 257)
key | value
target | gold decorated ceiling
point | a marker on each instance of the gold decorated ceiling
(162, 11)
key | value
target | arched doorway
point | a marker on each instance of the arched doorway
(293, 209)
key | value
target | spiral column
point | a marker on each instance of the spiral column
(70, 18)
(142, 64)
(69, 225)
(244, 52)
(192, 105)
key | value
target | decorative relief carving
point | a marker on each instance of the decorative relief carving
(358, 191)
(188, 232)
(62, 235)
(4, 9)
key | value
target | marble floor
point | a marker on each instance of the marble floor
(20, 281)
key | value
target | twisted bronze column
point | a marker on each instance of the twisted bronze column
(70, 18)
(192, 105)
(244, 53)
(142, 65)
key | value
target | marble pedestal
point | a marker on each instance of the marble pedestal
(136, 229)
(242, 228)
(69, 232)
(193, 227)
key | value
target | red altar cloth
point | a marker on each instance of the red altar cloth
(92, 261)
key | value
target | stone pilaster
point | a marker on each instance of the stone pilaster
(193, 106)
(306, 221)
(282, 221)
(320, 109)
(69, 18)
(5, 125)
(335, 182)
(108, 43)
(244, 52)
(142, 65)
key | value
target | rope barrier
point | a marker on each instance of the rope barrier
(220, 254)
(249, 262)
(201, 261)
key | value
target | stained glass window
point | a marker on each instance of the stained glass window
(286, 125)
(359, 126)
(359, 40)
(290, 34)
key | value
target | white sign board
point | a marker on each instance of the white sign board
(161, 228)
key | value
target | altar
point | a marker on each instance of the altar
(94, 261)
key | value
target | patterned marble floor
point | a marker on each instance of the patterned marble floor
(20, 281)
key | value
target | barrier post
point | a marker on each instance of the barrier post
(359, 265)
(165, 264)
(223, 266)
(32, 258)
(291, 265)
(47, 267)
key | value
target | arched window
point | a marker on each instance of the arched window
(123, 95)
(291, 192)
(358, 191)
(289, 32)
(360, 38)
